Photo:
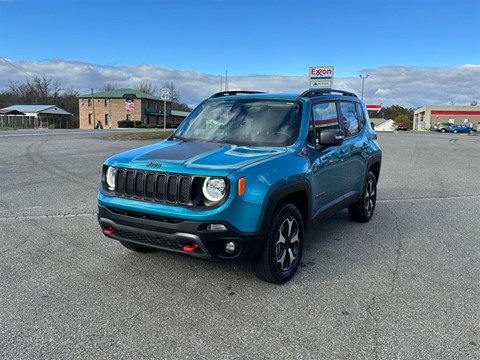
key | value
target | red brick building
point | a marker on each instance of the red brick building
(110, 107)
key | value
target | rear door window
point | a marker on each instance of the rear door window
(350, 118)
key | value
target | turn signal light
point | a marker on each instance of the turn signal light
(241, 186)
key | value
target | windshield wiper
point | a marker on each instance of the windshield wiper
(179, 138)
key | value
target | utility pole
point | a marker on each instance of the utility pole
(93, 104)
(363, 77)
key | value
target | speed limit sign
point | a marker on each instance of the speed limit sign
(165, 94)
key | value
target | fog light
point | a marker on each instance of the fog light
(216, 227)
(230, 247)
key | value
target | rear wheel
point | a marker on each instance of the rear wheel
(137, 247)
(362, 210)
(443, 130)
(282, 251)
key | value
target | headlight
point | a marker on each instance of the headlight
(214, 189)
(110, 177)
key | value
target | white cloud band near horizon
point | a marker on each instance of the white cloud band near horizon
(409, 87)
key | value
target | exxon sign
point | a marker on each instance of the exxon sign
(321, 77)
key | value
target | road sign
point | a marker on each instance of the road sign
(321, 76)
(165, 94)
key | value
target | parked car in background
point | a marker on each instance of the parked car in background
(402, 126)
(461, 129)
(442, 127)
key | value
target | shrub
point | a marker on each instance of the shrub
(129, 123)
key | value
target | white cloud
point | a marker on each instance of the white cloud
(409, 87)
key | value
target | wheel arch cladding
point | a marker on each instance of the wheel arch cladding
(296, 193)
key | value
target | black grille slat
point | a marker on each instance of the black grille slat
(172, 188)
(154, 187)
(120, 182)
(129, 183)
(184, 190)
(139, 185)
(160, 190)
(150, 186)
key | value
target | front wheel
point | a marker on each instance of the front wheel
(443, 130)
(362, 210)
(282, 251)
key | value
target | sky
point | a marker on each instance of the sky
(415, 52)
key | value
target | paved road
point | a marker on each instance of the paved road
(404, 286)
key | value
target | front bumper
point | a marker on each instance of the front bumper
(180, 236)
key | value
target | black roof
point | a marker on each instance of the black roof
(326, 91)
(308, 93)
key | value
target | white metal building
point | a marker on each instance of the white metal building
(36, 117)
(426, 116)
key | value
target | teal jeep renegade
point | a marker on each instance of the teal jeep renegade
(242, 178)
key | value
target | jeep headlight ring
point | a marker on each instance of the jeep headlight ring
(110, 178)
(214, 189)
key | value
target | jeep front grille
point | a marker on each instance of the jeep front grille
(150, 186)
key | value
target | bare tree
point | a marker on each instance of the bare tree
(174, 93)
(36, 90)
(146, 86)
(108, 87)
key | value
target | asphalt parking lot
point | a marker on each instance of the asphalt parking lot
(404, 286)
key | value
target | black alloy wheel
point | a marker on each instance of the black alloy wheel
(282, 251)
(363, 209)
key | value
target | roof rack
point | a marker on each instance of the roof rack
(234, 92)
(326, 91)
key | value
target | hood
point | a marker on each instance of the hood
(193, 157)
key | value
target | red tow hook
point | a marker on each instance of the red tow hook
(190, 248)
(109, 231)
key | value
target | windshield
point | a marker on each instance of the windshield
(242, 122)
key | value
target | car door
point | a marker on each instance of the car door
(327, 175)
(354, 149)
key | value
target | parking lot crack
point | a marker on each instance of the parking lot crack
(50, 216)
(24, 241)
(370, 313)
(398, 251)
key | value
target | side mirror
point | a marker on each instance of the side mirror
(330, 137)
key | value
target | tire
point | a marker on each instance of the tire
(455, 131)
(363, 209)
(470, 132)
(282, 251)
(137, 247)
(443, 130)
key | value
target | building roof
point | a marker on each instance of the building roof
(180, 113)
(120, 94)
(10, 112)
(43, 109)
